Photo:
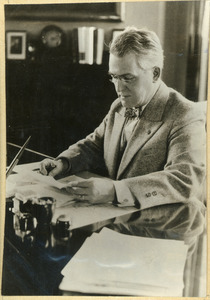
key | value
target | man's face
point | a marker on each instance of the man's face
(133, 85)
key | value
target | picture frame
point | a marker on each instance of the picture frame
(16, 45)
(73, 12)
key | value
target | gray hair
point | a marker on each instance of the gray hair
(143, 43)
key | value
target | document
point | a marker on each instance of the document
(27, 184)
(112, 263)
(30, 183)
(49, 180)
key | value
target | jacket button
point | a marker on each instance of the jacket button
(149, 131)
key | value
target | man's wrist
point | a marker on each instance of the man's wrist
(66, 166)
(123, 194)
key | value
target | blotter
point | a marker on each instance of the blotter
(112, 263)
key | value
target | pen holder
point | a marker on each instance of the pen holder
(26, 223)
(32, 218)
(24, 226)
(43, 210)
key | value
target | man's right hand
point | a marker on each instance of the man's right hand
(53, 168)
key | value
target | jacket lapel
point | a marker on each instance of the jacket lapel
(143, 132)
(150, 122)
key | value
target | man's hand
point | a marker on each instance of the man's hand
(53, 167)
(93, 190)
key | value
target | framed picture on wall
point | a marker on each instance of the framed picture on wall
(16, 44)
(105, 12)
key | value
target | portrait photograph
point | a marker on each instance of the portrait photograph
(16, 45)
(104, 147)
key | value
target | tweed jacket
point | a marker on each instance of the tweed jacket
(164, 160)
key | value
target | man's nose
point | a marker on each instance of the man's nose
(119, 85)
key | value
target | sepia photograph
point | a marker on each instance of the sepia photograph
(104, 118)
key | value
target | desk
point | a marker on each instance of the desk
(34, 269)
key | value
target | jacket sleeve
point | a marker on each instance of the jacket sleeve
(88, 153)
(183, 176)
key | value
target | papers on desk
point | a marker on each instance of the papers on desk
(29, 183)
(36, 177)
(112, 263)
(49, 180)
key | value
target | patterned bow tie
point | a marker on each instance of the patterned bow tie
(132, 112)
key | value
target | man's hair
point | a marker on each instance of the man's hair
(143, 43)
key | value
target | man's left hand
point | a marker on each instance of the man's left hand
(93, 190)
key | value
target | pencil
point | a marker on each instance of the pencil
(17, 158)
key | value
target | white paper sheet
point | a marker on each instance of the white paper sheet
(118, 264)
(30, 182)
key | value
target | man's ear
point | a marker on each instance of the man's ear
(156, 74)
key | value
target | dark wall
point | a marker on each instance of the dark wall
(55, 101)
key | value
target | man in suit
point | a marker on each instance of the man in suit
(151, 144)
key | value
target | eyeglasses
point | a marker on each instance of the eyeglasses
(124, 78)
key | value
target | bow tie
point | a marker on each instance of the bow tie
(132, 112)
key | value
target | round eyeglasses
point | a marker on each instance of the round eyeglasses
(123, 78)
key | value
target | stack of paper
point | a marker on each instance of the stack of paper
(111, 263)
